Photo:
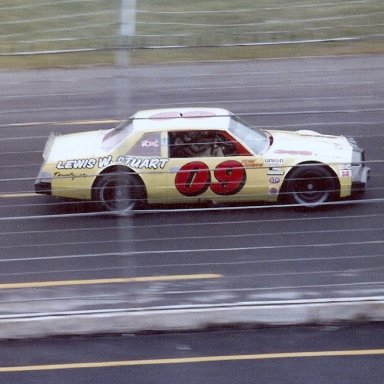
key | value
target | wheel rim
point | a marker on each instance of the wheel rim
(116, 194)
(312, 187)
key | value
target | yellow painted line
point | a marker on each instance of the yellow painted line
(190, 360)
(119, 280)
(10, 195)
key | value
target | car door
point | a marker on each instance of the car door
(212, 166)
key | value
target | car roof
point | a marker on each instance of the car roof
(172, 119)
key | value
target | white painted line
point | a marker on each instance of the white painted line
(13, 195)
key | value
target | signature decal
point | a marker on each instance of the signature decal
(140, 163)
(102, 162)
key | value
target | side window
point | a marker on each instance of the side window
(226, 144)
(200, 144)
(190, 144)
(148, 145)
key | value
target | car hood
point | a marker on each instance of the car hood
(75, 145)
(310, 144)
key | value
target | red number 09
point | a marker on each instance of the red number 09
(194, 178)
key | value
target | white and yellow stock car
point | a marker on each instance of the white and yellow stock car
(195, 155)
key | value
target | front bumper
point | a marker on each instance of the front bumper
(360, 179)
(360, 172)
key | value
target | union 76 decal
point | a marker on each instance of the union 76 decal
(195, 178)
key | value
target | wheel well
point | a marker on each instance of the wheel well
(120, 168)
(283, 188)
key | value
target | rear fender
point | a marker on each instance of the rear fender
(122, 169)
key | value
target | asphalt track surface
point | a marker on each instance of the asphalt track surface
(61, 249)
(299, 355)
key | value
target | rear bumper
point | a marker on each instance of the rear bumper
(43, 182)
(43, 187)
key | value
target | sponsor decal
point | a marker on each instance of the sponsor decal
(273, 161)
(346, 173)
(252, 163)
(140, 163)
(274, 180)
(150, 143)
(273, 191)
(275, 171)
(345, 170)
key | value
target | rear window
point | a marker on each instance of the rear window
(117, 135)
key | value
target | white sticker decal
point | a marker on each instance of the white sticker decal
(345, 170)
(149, 143)
(275, 171)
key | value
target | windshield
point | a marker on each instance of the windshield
(254, 138)
(115, 136)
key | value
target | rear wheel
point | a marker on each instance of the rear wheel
(118, 191)
(311, 185)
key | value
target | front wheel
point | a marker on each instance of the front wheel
(310, 185)
(118, 191)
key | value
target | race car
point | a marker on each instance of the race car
(197, 155)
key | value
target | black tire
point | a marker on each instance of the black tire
(310, 186)
(118, 191)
